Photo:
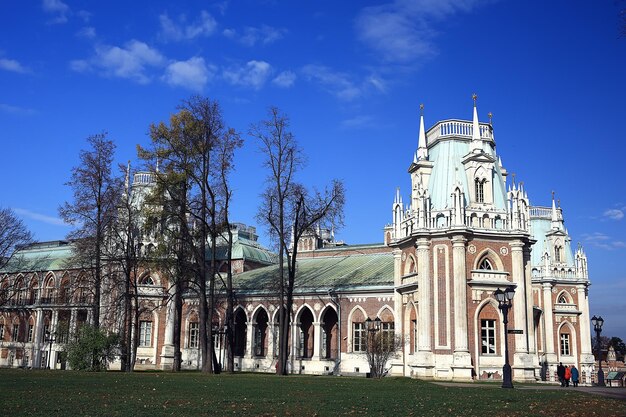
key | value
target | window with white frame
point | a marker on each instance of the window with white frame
(565, 344)
(194, 334)
(359, 337)
(145, 333)
(1, 330)
(31, 332)
(387, 329)
(488, 336)
(15, 333)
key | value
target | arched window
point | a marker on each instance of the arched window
(563, 299)
(479, 189)
(240, 332)
(558, 254)
(147, 280)
(485, 264)
(260, 333)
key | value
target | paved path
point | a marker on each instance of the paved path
(611, 392)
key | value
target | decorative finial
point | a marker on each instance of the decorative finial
(553, 194)
(490, 115)
(513, 175)
(421, 109)
(474, 97)
(558, 202)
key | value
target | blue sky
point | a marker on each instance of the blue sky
(351, 75)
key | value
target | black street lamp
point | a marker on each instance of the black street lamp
(505, 301)
(50, 338)
(597, 326)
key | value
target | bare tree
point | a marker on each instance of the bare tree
(13, 234)
(190, 150)
(289, 210)
(93, 209)
(380, 346)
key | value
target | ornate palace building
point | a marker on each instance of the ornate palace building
(465, 231)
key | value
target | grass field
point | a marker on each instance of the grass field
(49, 393)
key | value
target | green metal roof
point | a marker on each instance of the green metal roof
(342, 272)
(44, 256)
(248, 250)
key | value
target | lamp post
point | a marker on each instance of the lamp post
(597, 326)
(505, 301)
(372, 326)
(50, 339)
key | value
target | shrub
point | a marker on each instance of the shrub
(91, 349)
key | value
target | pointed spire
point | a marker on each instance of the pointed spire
(422, 150)
(555, 215)
(397, 198)
(475, 125)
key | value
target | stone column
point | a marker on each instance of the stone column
(40, 338)
(317, 340)
(398, 304)
(523, 363)
(167, 350)
(424, 356)
(586, 356)
(249, 339)
(548, 321)
(462, 364)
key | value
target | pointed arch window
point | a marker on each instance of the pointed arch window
(485, 264)
(562, 299)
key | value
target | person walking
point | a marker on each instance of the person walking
(574, 375)
(560, 372)
(568, 375)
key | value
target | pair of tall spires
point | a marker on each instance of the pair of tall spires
(422, 150)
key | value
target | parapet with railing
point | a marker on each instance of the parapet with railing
(457, 128)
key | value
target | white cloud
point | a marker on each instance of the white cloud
(358, 122)
(13, 65)
(130, 61)
(57, 8)
(285, 79)
(614, 214)
(402, 31)
(603, 241)
(337, 83)
(253, 74)
(181, 30)
(192, 74)
(40, 217)
(251, 35)
(87, 32)
(7, 108)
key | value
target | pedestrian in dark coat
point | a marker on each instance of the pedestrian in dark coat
(574, 376)
(560, 372)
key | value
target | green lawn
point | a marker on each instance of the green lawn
(49, 393)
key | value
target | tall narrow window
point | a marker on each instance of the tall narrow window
(194, 331)
(479, 188)
(258, 341)
(145, 333)
(31, 332)
(1, 330)
(15, 333)
(565, 344)
(387, 329)
(358, 337)
(558, 254)
(488, 336)
(414, 328)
